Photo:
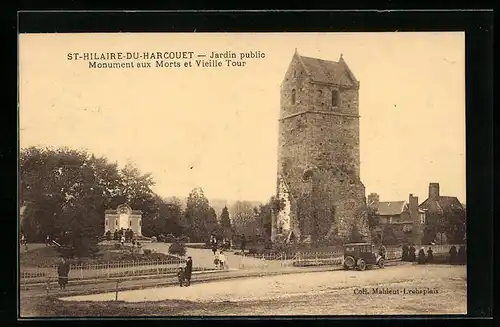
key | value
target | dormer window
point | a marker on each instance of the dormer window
(293, 96)
(335, 98)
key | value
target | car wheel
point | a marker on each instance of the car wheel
(381, 263)
(361, 264)
(349, 262)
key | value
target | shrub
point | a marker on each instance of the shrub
(161, 238)
(153, 239)
(252, 251)
(108, 235)
(170, 238)
(177, 248)
(118, 246)
(147, 251)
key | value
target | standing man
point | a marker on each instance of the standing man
(188, 270)
(63, 272)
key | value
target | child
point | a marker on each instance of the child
(216, 260)
(181, 274)
(222, 260)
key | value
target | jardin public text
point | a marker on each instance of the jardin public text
(165, 59)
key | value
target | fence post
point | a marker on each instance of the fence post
(81, 270)
(48, 285)
(116, 290)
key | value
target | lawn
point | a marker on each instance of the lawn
(49, 256)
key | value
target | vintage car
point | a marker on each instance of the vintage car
(361, 255)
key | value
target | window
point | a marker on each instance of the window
(106, 222)
(293, 96)
(130, 223)
(422, 218)
(335, 98)
(116, 222)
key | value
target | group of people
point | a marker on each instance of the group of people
(185, 271)
(220, 260)
(458, 257)
(455, 257)
(410, 254)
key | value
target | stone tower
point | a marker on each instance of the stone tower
(318, 153)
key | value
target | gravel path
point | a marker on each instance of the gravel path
(292, 285)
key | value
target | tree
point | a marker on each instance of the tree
(200, 217)
(245, 220)
(66, 192)
(372, 216)
(225, 223)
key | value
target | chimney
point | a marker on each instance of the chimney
(373, 200)
(413, 207)
(433, 191)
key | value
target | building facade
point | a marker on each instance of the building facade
(123, 218)
(319, 153)
(402, 218)
(443, 210)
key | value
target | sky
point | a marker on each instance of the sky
(217, 128)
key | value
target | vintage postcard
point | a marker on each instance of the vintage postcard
(242, 174)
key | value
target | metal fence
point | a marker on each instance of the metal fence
(87, 271)
(104, 270)
(269, 260)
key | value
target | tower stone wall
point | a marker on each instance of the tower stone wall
(318, 150)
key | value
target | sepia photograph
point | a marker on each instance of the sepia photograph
(242, 174)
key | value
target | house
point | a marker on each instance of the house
(403, 219)
(443, 210)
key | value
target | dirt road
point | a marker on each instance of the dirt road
(418, 288)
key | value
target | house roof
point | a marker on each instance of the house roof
(443, 203)
(390, 208)
(326, 71)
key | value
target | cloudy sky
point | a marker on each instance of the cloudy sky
(217, 127)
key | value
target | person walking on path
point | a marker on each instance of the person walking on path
(63, 272)
(430, 255)
(222, 260)
(421, 256)
(412, 254)
(181, 273)
(216, 261)
(188, 270)
(462, 255)
(405, 254)
(453, 254)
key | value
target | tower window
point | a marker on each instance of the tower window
(293, 96)
(335, 98)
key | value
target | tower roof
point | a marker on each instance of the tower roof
(326, 71)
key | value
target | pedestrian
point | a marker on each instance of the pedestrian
(412, 253)
(181, 273)
(421, 256)
(214, 248)
(122, 240)
(462, 255)
(405, 253)
(243, 243)
(216, 260)
(222, 260)
(382, 251)
(47, 241)
(63, 272)
(453, 255)
(188, 270)
(430, 255)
